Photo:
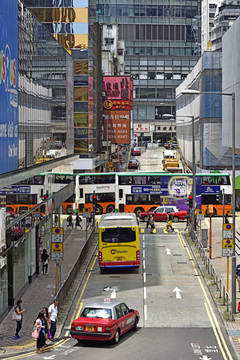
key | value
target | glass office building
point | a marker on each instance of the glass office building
(162, 45)
(45, 75)
(72, 23)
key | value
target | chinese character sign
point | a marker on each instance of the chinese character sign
(117, 123)
(116, 87)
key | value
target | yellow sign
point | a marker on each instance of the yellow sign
(86, 210)
(227, 227)
(227, 243)
(199, 212)
(57, 248)
(57, 230)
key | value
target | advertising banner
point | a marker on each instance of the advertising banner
(116, 87)
(9, 85)
(117, 123)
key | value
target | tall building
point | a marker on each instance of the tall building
(207, 17)
(162, 45)
(73, 24)
(226, 13)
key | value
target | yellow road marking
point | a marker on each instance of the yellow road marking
(209, 305)
(142, 230)
(33, 353)
(77, 311)
(214, 330)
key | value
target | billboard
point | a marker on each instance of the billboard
(8, 85)
(118, 125)
(116, 87)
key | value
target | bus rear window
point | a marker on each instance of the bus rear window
(118, 235)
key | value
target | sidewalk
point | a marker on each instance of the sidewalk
(40, 294)
(219, 263)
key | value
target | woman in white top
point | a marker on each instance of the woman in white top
(39, 324)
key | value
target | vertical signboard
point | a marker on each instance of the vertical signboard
(116, 109)
(9, 85)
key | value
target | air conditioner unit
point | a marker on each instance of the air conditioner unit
(103, 94)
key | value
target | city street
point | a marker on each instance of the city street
(177, 317)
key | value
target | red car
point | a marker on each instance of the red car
(160, 214)
(136, 151)
(104, 321)
(133, 164)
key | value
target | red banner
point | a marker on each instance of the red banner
(118, 125)
(116, 87)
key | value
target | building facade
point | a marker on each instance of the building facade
(162, 45)
(207, 18)
(45, 74)
(226, 13)
(206, 110)
(36, 88)
(73, 24)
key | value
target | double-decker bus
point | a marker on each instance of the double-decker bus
(26, 194)
(142, 191)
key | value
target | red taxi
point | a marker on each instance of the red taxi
(133, 164)
(136, 151)
(160, 214)
(104, 321)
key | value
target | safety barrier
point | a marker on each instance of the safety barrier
(217, 280)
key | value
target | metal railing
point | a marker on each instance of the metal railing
(216, 279)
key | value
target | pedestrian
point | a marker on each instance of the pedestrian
(148, 218)
(18, 310)
(188, 220)
(78, 221)
(238, 276)
(46, 323)
(44, 260)
(90, 222)
(169, 221)
(226, 219)
(70, 221)
(151, 223)
(52, 316)
(39, 325)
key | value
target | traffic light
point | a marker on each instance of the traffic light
(219, 196)
(94, 199)
(45, 196)
(190, 201)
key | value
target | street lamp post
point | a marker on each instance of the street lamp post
(196, 92)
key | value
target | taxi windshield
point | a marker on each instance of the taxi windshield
(100, 313)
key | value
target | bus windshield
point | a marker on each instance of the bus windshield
(118, 235)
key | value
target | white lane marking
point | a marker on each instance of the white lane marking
(144, 264)
(143, 254)
(144, 292)
(143, 244)
(145, 312)
(144, 277)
